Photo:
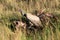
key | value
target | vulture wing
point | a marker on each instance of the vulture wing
(34, 19)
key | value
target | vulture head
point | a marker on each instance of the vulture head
(23, 13)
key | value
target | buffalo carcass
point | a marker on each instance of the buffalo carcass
(51, 18)
(17, 25)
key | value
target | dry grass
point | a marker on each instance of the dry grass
(9, 9)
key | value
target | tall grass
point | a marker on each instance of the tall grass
(9, 10)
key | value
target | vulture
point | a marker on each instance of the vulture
(35, 20)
